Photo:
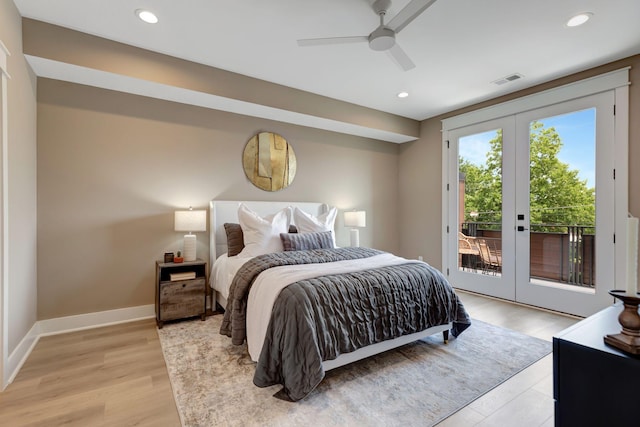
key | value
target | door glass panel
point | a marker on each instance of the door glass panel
(480, 203)
(562, 199)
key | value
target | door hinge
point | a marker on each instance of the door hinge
(447, 271)
(447, 143)
(447, 228)
(614, 174)
(447, 187)
(614, 109)
(614, 238)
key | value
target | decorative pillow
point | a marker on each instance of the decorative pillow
(306, 241)
(235, 238)
(308, 223)
(261, 235)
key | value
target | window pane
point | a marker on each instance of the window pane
(562, 198)
(480, 202)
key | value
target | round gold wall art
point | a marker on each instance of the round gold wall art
(269, 161)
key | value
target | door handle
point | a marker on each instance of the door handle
(521, 228)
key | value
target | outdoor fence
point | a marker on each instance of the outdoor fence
(565, 255)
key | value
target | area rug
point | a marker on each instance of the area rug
(417, 384)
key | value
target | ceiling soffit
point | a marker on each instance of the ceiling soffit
(63, 54)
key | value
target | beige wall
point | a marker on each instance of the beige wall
(112, 167)
(420, 180)
(20, 207)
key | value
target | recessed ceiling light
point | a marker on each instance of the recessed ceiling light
(403, 94)
(146, 16)
(579, 19)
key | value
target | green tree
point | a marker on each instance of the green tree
(483, 186)
(558, 195)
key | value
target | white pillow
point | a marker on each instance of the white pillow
(307, 223)
(262, 235)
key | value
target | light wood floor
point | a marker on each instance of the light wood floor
(111, 376)
(526, 399)
(116, 376)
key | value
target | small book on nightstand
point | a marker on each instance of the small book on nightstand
(186, 275)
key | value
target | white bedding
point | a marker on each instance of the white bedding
(223, 271)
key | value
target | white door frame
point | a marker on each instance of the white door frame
(4, 285)
(615, 80)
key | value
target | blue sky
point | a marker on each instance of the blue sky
(577, 131)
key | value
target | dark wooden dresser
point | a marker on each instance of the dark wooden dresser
(594, 384)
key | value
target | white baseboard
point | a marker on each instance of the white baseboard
(66, 324)
(61, 325)
(19, 355)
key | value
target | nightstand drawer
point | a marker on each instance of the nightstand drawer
(183, 298)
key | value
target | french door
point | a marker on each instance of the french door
(531, 218)
(481, 228)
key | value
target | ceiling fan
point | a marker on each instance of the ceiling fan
(383, 38)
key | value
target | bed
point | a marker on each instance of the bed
(278, 300)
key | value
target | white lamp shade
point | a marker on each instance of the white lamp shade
(191, 220)
(355, 219)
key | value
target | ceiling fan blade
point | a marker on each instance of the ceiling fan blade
(401, 58)
(410, 12)
(332, 40)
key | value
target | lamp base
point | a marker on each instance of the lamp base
(189, 252)
(354, 234)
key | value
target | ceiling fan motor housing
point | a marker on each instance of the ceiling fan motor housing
(382, 38)
(381, 6)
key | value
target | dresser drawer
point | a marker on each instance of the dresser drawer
(180, 299)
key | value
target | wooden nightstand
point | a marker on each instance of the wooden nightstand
(179, 299)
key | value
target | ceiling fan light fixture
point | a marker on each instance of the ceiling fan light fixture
(579, 19)
(147, 16)
(382, 39)
(403, 94)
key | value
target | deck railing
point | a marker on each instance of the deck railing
(558, 252)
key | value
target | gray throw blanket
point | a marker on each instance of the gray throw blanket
(234, 324)
(319, 319)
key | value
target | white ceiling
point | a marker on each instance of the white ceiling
(459, 46)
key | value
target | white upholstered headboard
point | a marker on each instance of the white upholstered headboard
(221, 211)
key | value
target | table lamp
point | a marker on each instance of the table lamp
(191, 221)
(355, 219)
